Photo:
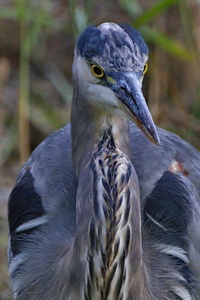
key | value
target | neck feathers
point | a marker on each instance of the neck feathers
(94, 128)
(115, 192)
(108, 207)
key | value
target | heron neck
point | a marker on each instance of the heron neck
(98, 138)
(89, 126)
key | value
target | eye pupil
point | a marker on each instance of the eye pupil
(97, 71)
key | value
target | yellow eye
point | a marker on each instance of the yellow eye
(145, 69)
(97, 71)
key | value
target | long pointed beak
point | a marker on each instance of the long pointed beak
(127, 88)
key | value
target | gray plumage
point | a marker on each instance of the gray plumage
(98, 211)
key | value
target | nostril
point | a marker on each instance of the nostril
(127, 92)
(123, 88)
(122, 85)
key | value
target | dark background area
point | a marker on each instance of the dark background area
(37, 39)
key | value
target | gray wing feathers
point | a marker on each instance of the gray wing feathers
(151, 161)
(55, 182)
(52, 169)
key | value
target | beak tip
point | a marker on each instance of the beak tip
(152, 133)
(154, 139)
(157, 142)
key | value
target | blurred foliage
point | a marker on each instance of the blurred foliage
(36, 53)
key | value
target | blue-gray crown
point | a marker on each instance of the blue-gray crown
(114, 47)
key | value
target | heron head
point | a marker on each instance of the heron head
(109, 66)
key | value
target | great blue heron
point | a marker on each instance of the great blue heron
(98, 211)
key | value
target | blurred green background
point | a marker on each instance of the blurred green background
(36, 52)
